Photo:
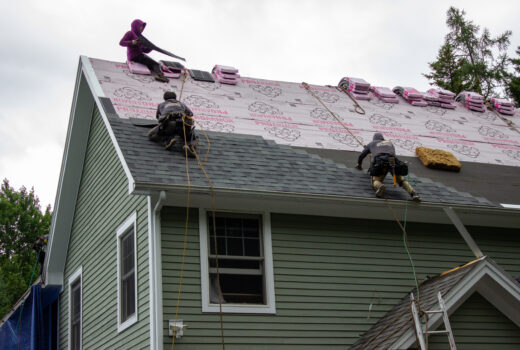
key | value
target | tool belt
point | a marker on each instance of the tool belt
(385, 163)
(170, 117)
(166, 121)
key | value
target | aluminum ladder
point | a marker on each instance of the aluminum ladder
(419, 328)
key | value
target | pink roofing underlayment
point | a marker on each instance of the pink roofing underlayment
(288, 114)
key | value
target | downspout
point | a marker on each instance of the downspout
(463, 232)
(154, 270)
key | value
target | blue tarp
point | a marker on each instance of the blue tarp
(32, 325)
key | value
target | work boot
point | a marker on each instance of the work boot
(415, 197)
(160, 77)
(170, 144)
(380, 191)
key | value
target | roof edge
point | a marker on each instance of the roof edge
(87, 93)
(483, 278)
(97, 92)
(68, 183)
(340, 206)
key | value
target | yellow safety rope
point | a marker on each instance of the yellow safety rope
(201, 165)
(212, 195)
(183, 81)
(358, 107)
(308, 88)
(185, 236)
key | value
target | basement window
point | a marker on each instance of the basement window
(241, 246)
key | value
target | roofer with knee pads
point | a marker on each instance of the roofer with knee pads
(384, 161)
(174, 119)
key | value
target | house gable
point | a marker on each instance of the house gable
(477, 324)
(395, 329)
(103, 203)
(87, 95)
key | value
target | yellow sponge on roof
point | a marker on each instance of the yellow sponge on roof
(438, 159)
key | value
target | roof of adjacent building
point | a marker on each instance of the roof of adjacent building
(391, 329)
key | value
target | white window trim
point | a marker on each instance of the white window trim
(75, 275)
(270, 306)
(122, 229)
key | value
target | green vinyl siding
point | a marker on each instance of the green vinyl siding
(103, 204)
(328, 271)
(478, 325)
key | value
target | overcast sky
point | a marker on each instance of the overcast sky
(387, 43)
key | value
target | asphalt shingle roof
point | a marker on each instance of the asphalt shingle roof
(246, 162)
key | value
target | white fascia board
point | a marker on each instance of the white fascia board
(97, 93)
(338, 206)
(487, 279)
(87, 92)
(69, 180)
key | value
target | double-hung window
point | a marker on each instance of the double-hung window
(126, 273)
(236, 262)
(75, 310)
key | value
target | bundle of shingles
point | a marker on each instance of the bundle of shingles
(411, 95)
(384, 94)
(357, 87)
(503, 106)
(471, 100)
(440, 98)
(172, 69)
(226, 74)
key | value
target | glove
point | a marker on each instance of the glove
(359, 167)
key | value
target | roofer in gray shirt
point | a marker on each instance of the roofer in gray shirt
(174, 118)
(384, 161)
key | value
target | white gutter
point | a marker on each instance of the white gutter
(154, 270)
(339, 206)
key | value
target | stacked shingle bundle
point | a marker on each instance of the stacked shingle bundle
(226, 74)
(443, 98)
(503, 106)
(358, 87)
(472, 100)
(172, 69)
(384, 94)
(411, 95)
(431, 99)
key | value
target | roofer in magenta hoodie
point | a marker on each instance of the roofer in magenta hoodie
(136, 52)
(381, 150)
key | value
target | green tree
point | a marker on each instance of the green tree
(447, 71)
(21, 222)
(513, 86)
(470, 59)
